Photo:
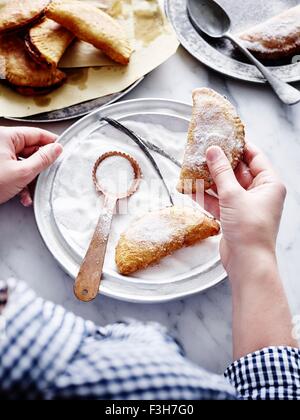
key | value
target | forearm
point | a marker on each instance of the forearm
(261, 315)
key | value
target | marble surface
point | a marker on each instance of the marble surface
(201, 323)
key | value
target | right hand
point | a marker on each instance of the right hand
(249, 205)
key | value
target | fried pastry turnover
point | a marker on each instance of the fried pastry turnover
(24, 74)
(214, 123)
(90, 24)
(14, 14)
(47, 42)
(159, 234)
(277, 37)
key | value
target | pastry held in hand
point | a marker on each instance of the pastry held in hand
(90, 24)
(14, 14)
(214, 123)
(47, 42)
(277, 37)
(160, 233)
(24, 74)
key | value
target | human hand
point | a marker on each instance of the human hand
(39, 151)
(249, 205)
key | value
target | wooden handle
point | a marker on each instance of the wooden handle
(87, 283)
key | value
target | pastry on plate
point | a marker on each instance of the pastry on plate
(14, 14)
(275, 38)
(90, 24)
(47, 41)
(24, 74)
(159, 234)
(214, 123)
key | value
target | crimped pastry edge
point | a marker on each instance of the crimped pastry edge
(195, 176)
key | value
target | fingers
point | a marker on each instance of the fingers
(24, 137)
(40, 161)
(243, 175)
(211, 204)
(257, 161)
(25, 197)
(28, 151)
(245, 179)
(221, 171)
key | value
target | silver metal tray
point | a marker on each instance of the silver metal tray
(168, 114)
(79, 110)
(220, 56)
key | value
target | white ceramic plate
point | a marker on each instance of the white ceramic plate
(67, 207)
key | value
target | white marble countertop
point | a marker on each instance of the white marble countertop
(201, 323)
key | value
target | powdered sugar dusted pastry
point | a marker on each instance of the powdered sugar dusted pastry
(92, 25)
(159, 234)
(47, 41)
(214, 123)
(277, 37)
(15, 14)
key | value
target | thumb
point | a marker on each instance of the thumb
(41, 160)
(221, 171)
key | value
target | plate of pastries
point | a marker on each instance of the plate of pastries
(163, 244)
(32, 59)
(39, 41)
(270, 30)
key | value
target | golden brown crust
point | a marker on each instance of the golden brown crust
(35, 53)
(92, 25)
(15, 14)
(21, 71)
(276, 38)
(214, 122)
(161, 233)
(47, 41)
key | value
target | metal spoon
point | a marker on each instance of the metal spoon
(87, 283)
(209, 17)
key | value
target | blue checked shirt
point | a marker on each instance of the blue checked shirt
(48, 353)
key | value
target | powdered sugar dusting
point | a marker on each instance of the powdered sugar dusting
(154, 228)
(77, 206)
(163, 226)
(214, 122)
(278, 32)
(104, 224)
(115, 175)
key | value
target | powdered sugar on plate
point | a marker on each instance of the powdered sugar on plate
(115, 175)
(76, 205)
(247, 14)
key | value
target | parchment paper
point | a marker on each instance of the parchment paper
(155, 41)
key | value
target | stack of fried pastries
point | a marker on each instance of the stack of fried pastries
(34, 35)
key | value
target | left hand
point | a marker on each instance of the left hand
(39, 151)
